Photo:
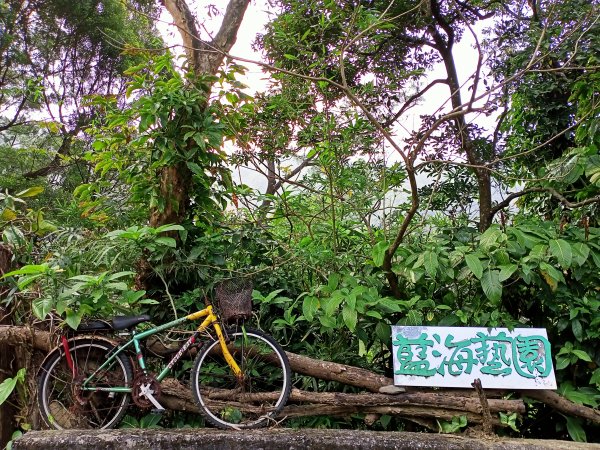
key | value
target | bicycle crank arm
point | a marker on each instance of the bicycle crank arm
(145, 391)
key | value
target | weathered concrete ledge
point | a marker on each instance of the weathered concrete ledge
(273, 439)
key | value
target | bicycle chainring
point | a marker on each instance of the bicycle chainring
(140, 383)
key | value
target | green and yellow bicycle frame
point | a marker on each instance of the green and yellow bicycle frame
(210, 320)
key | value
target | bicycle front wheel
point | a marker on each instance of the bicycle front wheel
(62, 401)
(251, 400)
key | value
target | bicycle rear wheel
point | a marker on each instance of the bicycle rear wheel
(251, 401)
(62, 402)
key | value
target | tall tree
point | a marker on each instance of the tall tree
(204, 57)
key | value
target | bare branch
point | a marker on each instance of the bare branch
(553, 192)
(408, 103)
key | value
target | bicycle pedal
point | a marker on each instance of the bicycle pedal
(158, 412)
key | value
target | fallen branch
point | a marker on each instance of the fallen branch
(28, 336)
(439, 399)
(326, 370)
(561, 404)
(407, 411)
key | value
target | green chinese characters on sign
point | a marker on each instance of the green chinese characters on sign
(492, 354)
(412, 354)
(532, 353)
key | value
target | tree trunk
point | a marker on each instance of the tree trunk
(204, 58)
(175, 190)
(444, 46)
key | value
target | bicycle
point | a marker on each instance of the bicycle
(240, 377)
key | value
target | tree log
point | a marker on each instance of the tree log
(27, 337)
(326, 370)
(407, 411)
(438, 399)
(563, 405)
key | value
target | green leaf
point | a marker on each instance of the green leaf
(150, 421)
(73, 319)
(41, 307)
(490, 238)
(378, 252)
(129, 422)
(389, 304)
(413, 318)
(148, 301)
(580, 253)
(133, 296)
(509, 419)
(164, 228)
(309, 307)
(119, 286)
(9, 384)
(506, 271)
(333, 281)
(116, 276)
(331, 304)
(167, 241)
(28, 270)
(195, 168)
(577, 329)
(592, 169)
(270, 297)
(474, 264)
(383, 332)
(575, 429)
(582, 355)
(561, 249)
(328, 322)
(31, 192)
(562, 362)
(27, 280)
(350, 317)
(491, 285)
(431, 263)
(457, 423)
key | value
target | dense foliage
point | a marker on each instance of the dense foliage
(361, 225)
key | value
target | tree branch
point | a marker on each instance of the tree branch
(553, 192)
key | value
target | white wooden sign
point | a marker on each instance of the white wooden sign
(455, 356)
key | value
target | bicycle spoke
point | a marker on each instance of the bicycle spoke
(63, 401)
(248, 401)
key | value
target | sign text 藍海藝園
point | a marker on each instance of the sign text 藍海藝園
(455, 356)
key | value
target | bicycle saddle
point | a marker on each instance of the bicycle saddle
(124, 322)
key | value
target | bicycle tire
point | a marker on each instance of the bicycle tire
(255, 401)
(64, 406)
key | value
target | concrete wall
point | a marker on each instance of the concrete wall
(272, 439)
